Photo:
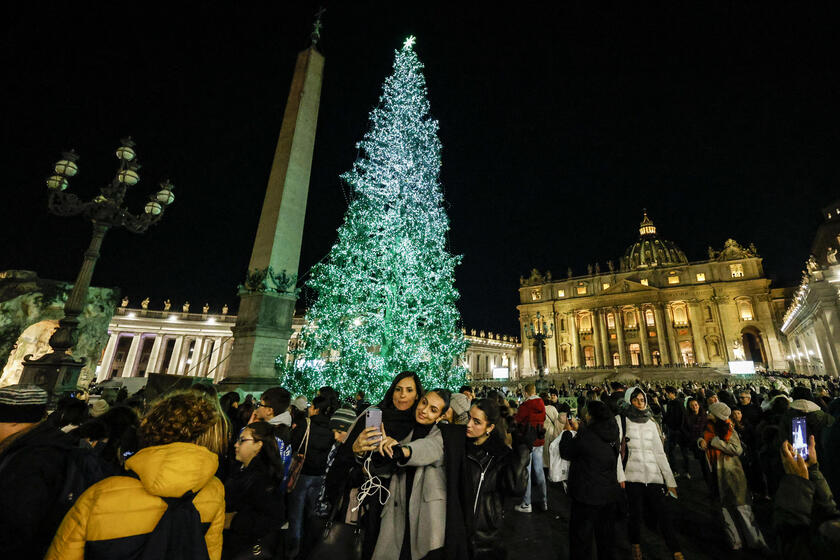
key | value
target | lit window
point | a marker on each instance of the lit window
(745, 310)
(674, 279)
(610, 321)
(605, 286)
(581, 290)
(736, 270)
(680, 316)
(644, 281)
(535, 295)
(586, 323)
(630, 319)
(701, 276)
(561, 293)
(649, 318)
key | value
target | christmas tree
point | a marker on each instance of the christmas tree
(385, 295)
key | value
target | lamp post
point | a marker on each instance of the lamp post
(539, 332)
(59, 371)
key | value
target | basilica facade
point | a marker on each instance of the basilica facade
(654, 307)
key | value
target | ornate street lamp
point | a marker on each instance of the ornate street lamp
(58, 371)
(539, 332)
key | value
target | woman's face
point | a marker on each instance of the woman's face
(405, 394)
(639, 401)
(737, 416)
(477, 425)
(247, 447)
(429, 408)
(694, 406)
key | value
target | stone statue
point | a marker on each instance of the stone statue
(597, 268)
(753, 250)
(589, 269)
(831, 255)
(166, 305)
(611, 266)
(811, 264)
(472, 332)
(738, 350)
(124, 302)
(186, 307)
(224, 309)
(569, 272)
(712, 254)
(548, 275)
(205, 309)
(521, 280)
(145, 303)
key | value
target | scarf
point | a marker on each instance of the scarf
(398, 423)
(712, 431)
(638, 416)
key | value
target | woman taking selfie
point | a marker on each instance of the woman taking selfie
(414, 518)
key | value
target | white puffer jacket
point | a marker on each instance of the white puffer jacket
(646, 462)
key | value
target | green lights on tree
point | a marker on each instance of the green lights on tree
(385, 295)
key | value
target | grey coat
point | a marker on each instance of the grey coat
(426, 508)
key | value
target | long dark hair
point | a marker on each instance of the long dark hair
(388, 399)
(493, 414)
(269, 455)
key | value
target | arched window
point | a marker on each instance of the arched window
(649, 317)
(610, 321)
(589, 356)
(630, 319)
(635, 352)
(680, 315)
(586, 323)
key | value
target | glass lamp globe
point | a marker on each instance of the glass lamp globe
(57, 183)
(128, 176)
(66, 167)
(126, 153)
(153, 208)
(165, 196)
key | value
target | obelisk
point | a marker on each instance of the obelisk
(267, 297)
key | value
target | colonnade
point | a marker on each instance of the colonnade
(195, 355)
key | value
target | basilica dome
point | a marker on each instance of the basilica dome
(650, 250)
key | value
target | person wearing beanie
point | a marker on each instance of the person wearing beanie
(459, 404)
(98, 408)
(342, 418)
(728, 483)
(33, 463)
(595, 480)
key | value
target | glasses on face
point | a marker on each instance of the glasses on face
(742, 397)
(243, 440)
(259, 405)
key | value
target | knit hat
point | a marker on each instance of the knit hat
(342, 418)
(300, 403)
(459, 403)
(719, 410)
(98, 408)
(22, 403)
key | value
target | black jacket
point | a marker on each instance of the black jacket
(674, 418)
(259, 505)
(320, 442)
(593, 457)
(493, 471)
(30, 484)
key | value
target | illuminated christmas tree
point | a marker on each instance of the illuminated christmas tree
(385, 295)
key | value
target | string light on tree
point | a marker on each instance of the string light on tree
(385, 295)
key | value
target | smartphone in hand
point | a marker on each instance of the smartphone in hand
(373, 419)
(799, 436)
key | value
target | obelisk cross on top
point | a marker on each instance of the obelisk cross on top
(267, 297)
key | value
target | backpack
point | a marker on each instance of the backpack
(179, 533)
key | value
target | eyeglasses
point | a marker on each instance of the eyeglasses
(259, 405)
(243, 440)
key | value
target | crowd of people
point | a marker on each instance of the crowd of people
(422, 474)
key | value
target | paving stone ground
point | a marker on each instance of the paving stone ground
(545, 536)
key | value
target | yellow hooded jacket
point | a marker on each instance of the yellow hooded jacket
(110, 516)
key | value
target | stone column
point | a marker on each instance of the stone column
(605, 338)
(661, 334)
(676, 356)
(619, 336)
(195, 363)
(175, 358)
(596, 339)
(826, 348)
(151, 366)
(576, 361)
(108, 357)
(697, 334)
(131, 359)
(643, 336)
(213, 368)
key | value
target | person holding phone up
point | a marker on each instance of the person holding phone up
(722, 446)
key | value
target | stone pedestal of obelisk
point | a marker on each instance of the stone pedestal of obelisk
(267, 298)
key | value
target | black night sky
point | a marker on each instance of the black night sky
(559, 124)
